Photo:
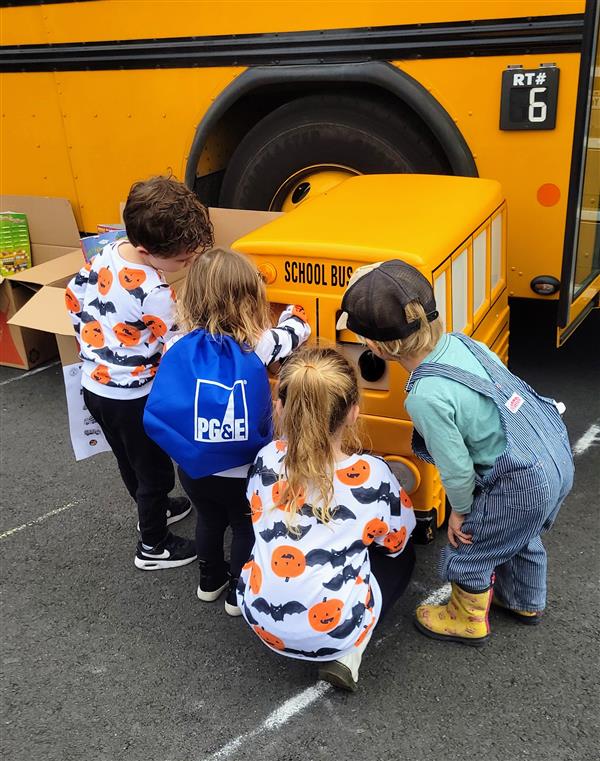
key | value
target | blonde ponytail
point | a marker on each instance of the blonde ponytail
(317, 388)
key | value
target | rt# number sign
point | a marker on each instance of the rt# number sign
(529, 98)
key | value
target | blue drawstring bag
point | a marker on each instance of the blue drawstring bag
(210, 406)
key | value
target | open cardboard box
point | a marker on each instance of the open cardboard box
(56, 255)
(45, 310)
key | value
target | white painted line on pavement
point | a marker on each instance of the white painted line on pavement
(591, 436)
(276, 719)
(27, 374)
(42, 518)
(438, 596)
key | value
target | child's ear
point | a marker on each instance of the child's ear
(353, 414)
(371, 346)
(144, 255)
(278, 408)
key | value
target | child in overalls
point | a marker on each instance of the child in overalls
(502, 451)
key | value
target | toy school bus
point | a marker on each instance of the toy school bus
(453, 229)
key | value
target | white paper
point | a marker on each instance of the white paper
(86, 435)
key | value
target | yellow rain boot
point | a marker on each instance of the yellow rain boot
(527, 617)
(464, 618)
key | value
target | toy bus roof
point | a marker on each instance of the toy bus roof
(418, 218)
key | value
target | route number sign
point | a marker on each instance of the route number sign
(529, 98)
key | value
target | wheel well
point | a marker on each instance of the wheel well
(260, 91)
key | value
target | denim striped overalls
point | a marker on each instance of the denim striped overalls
(519, 497)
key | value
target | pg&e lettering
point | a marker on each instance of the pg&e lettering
(309, 273)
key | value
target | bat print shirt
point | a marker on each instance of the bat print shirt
(122, 314)
(310, 594)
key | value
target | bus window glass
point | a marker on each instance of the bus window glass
(587, 264)
(459, 292)
(496, 250)
(479, 270)
(439, 289)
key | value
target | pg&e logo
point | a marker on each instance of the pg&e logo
(220, 412)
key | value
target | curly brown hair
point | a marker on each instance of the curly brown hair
(166, 218)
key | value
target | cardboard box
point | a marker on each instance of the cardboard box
(53, 233)
(43, 308)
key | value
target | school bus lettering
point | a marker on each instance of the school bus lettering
(309, 273)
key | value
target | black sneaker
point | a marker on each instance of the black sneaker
(179, 508)
(231, 606)
(172, 552)
(213, 581)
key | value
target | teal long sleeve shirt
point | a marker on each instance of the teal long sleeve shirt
(461, 428)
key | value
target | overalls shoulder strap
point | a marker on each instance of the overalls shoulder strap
(472, 381)
(497, 372)
(503, 380)
(499, 376)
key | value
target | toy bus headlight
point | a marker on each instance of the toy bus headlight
(372, 367)
(406, 472)
(267, 272)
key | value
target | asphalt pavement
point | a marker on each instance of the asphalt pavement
(103, 662)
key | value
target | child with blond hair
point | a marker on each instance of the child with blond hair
(502, 451)
(211, 407)
(332, 526)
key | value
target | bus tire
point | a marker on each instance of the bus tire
(361, 133)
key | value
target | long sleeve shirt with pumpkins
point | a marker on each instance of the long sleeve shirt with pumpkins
(309, 593)
(123, 314)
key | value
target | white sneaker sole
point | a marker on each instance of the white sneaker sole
(232, 610)
(174, 518)
(147, 564)
(211, 596)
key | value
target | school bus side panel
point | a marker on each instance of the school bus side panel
(88, 135)
(522, 161)
(33, 144)
(131, 19)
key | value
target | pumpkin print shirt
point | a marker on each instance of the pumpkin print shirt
(310, 594)
(122, 314)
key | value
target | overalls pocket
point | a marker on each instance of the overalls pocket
(524, 489)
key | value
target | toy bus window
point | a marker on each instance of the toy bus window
(496, 251)
(439, 290)
(460, 307)
(373, 373)
(480, 280)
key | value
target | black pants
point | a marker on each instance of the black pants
(146, 470)
(220, 502)
(392, 574)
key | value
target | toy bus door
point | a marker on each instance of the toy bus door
(580, 290)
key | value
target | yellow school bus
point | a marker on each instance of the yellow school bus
(261, 104)
(453, 229)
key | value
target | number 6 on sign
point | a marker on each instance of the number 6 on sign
(529, 97)
(540, 105)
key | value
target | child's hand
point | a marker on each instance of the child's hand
(455, 534)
